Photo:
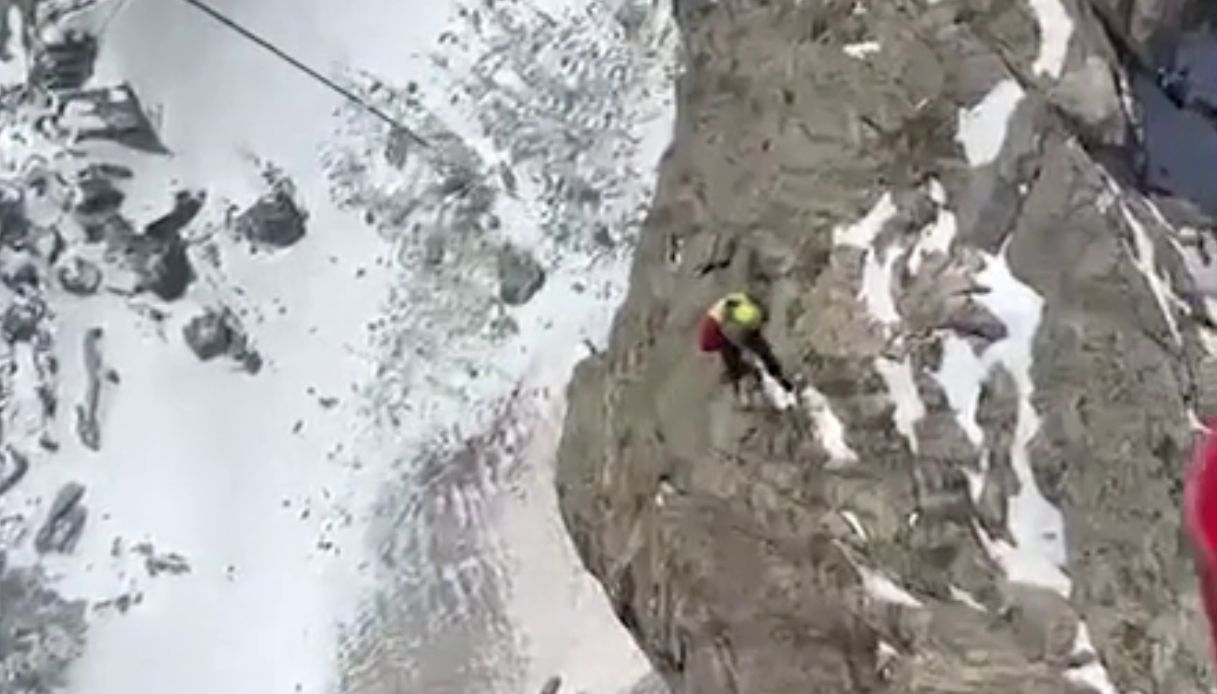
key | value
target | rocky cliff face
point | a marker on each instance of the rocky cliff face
(998, 338)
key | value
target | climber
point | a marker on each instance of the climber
(1200, 518)
(732, 327)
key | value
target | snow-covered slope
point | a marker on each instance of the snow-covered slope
(371, 510)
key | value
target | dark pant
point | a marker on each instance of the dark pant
(737, 367)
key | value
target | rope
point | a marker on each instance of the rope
(285, 57)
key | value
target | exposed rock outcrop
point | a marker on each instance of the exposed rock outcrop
(64, 522)
(980, 491)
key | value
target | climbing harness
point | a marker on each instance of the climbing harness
(287, 58)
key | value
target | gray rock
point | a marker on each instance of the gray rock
(433, 250)
(275, 219)
(218, 332)
(121, 116)
(79, 276)
(156, 563)
(88, 419)
(65, 64)
(98, 195)
(745, 580)
(521, 276)
(13, 467)
(14, 225)
(20, 321)
(1089, 94)
(650, 684)
(64, 523)
(973, 319)
(166, 270)
(552, 685)
(169, 226)
(209, 335)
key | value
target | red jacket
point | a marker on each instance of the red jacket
(710, 337)
(1200, 517)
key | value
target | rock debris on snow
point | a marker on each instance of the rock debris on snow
(218, 332)
(156, 563)
(65, 521)
(275, 220)
(521, 276)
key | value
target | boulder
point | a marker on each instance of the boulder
(520, 275)
(275, 219)
(20, 321)
(79, 276)
(218, 332)
(210, 335)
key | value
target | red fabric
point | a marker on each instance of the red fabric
(710, 336)
(1200, 513)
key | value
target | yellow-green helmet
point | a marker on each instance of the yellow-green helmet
(744, 312)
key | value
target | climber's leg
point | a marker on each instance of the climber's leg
(758, 345)
(734, 366)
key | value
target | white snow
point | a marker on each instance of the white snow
(960, 376)
(960, 595)
(1056, 29)
(1093, 674)
(829, 428)
(13, 71)
(1146, 261)
(862, 49)
(1035, 523)
(205, 462)
(779, 397)
(1038, 555)
(588, 646)
(862, 234)
(1025, 565)
(982, 128)
(883, 589)
(938, 236)
(855, 524)
(902, 387)
(876, 289)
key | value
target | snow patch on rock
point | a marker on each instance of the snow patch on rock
(902, 387)
(982, 128)
(1056, 29)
